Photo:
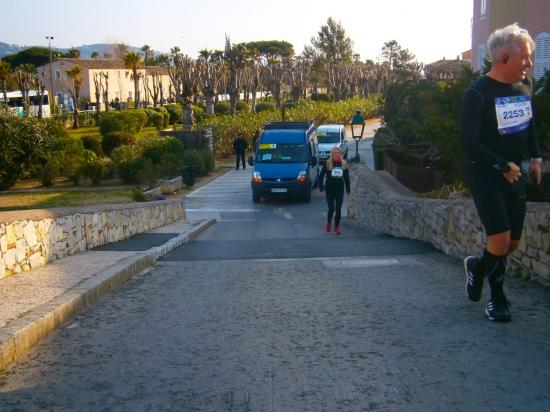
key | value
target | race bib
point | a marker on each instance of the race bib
(513, 113)
(337, 172)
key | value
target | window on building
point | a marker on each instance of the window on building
(481, 54)
(57, 75)
(542, 54)
(483, 8)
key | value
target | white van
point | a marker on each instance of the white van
(329, 136)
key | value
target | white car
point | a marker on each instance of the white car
(329, 136)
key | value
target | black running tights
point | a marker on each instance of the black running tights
(334, 201)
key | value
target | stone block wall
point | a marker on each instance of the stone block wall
(452, 226)
(30, 239)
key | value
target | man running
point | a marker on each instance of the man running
(497, 132)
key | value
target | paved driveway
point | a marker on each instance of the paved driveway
(267, 312)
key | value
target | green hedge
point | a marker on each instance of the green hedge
(222, 108)
(201, 160)
(175, 111)
(149, 160)
(93, 143)
(155, 119)
(130, 121)
(228, 127)
(263, 106)
(116, 139)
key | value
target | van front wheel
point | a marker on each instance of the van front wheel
(307, 197)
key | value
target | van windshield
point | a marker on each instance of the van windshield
(281, 153)
(328, 137)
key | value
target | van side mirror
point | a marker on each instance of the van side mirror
(250, 160)
(313, 161)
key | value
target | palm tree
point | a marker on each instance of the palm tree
(74, 81)
(5, 74)
(73, 53)
(147, 54)
(234, 56)
(133, 62)
(121, 50)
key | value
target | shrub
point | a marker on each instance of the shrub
(108, 168)
(263, 106)
(86, 119)
(91, 167)
(193, 157)
(208, 160)
(165, 115)
(138, 195)
(290, 104)
(541, 103)
(175, 110)
(156, 119)
(93, 143)
(157, 147)
(539, 193)
(128, 161)
(222, 108)
(321, 97)
(227, 127)
(57, 154)
(116, 139)
(130, 121)
(19, 138)
(199, 113)
(48, 172)
(165, 154)
(242, 106)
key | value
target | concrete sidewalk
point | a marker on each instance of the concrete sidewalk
(35, 303)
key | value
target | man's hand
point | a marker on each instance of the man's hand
(535, 169)
(513, 174)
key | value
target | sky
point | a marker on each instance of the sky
(430, 29)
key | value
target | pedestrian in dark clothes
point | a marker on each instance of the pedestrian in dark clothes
(240, 150)
(333, 179)
(497, 131)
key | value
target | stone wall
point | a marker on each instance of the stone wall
(30, 239)
(381, 203)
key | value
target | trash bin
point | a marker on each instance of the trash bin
(188, 175)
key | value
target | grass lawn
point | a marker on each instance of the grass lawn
(84, 131)
(94, 131)
(19, 201)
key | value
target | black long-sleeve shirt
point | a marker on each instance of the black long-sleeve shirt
(239, 144)
(334, 183)
(486, 145)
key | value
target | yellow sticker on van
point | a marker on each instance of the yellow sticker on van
(265, 146)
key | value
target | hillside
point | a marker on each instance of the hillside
(86, 50)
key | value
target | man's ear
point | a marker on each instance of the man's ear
(505, 59)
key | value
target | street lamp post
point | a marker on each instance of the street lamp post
(51, 96)
(357, 127)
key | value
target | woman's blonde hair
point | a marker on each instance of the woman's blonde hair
(330, 163)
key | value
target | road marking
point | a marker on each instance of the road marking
(206, 209)
(360, 263)
(333, 262)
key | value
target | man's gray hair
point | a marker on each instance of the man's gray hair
(506, 38)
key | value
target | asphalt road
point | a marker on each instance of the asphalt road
(267, 312)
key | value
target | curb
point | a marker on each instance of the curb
(18, 336)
